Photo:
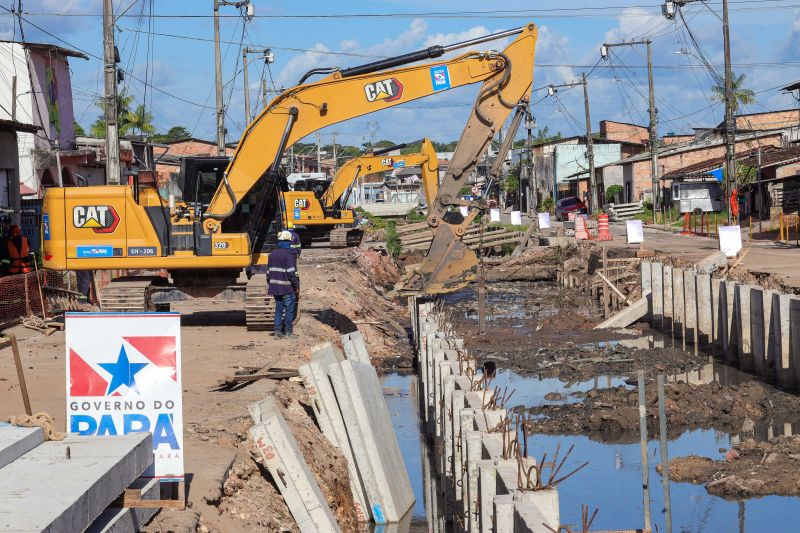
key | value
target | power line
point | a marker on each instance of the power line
(577, 12)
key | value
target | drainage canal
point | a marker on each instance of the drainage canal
(577, 385)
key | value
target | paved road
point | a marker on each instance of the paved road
(782, 261)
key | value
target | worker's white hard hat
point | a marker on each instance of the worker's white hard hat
(284, 236)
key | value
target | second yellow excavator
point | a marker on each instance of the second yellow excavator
(319, 209)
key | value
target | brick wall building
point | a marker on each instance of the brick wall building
(636, 170)
(624, 132)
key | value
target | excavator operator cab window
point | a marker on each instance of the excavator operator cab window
(206, 184)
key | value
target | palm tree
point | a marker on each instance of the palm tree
(741, 96)
(128, 121)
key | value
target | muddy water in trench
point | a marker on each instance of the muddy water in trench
(542, 314)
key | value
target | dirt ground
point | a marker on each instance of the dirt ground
(228, 488)
(615, 412)
(750, 469)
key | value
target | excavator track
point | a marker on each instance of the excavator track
(127, 296)
(344, 237)
(259, 306)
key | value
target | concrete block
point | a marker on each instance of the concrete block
(647, 273)
(729, 324)
(690, 307)
(669, 308)
(705, 311)
(504, 514)
(782, 334)
(368, 423)
(487, 490)
(771, 341)
(758, 299)
(355, 348)
(628, 315)
(447, 425)
(794, 338)
(657, 293)
(679, 316)
(710, 263)
(43, 490)
(329, 416)
(716, 300)
(16, 441)
(743, 327)
(535, 509)
(114, 520)
(474, 454)
(458, 406)
(291, 473)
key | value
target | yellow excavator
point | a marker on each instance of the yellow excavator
(228, 217)
(319, 209)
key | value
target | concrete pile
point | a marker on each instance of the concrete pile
(69, 485)
(348, 404)
(756, 329)
(483, 486)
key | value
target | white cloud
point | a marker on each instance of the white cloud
(634, 22)
(792, 46)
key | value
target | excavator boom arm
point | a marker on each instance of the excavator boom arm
(304, 109)
(371, 164)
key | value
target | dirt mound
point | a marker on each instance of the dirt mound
(250, 493)
(751, 469)
(616, 410)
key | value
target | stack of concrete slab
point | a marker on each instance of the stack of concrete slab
(350, 408)
(68, 485)
(291, 473)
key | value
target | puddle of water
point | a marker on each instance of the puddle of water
(401, 395)
(612, 483)
(530, 390)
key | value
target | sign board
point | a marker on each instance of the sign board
(494, 215)
(635, 231)
(124, 376)
(730, 240)
(464, 210)
(544, 220)
(516, 218)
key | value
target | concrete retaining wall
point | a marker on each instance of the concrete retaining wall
(475, 489)
(756, 329)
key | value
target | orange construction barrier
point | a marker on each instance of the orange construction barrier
(581, 231)
(603, 233)
(687, 225)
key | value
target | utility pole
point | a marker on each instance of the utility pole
(730, 126)
(532, 189)
(218, 69)
(268, 57)
(319, 152)
(110, 60)
(669, 10)
(653, 127)
(333, 138)
(589, 146)
(246, 88)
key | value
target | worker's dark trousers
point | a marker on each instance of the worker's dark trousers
(284, 313)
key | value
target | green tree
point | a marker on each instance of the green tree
(175, 133)
(741, 96)
(129, 121)
(79, 131)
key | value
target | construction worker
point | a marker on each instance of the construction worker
(5, 260)
(296, 247)
(283, 284)
(19, 259)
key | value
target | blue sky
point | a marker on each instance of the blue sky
(766, 47)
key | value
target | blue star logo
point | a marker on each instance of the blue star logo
(122, 372)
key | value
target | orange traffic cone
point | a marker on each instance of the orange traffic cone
(603, 233)
(581, 232)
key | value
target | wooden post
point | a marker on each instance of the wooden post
(23, 387)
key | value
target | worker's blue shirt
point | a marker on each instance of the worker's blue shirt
(282, 271)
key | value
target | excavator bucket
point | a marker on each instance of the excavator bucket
(449, 266)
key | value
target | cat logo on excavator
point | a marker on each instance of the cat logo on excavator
(99, 218)
(387, 90)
